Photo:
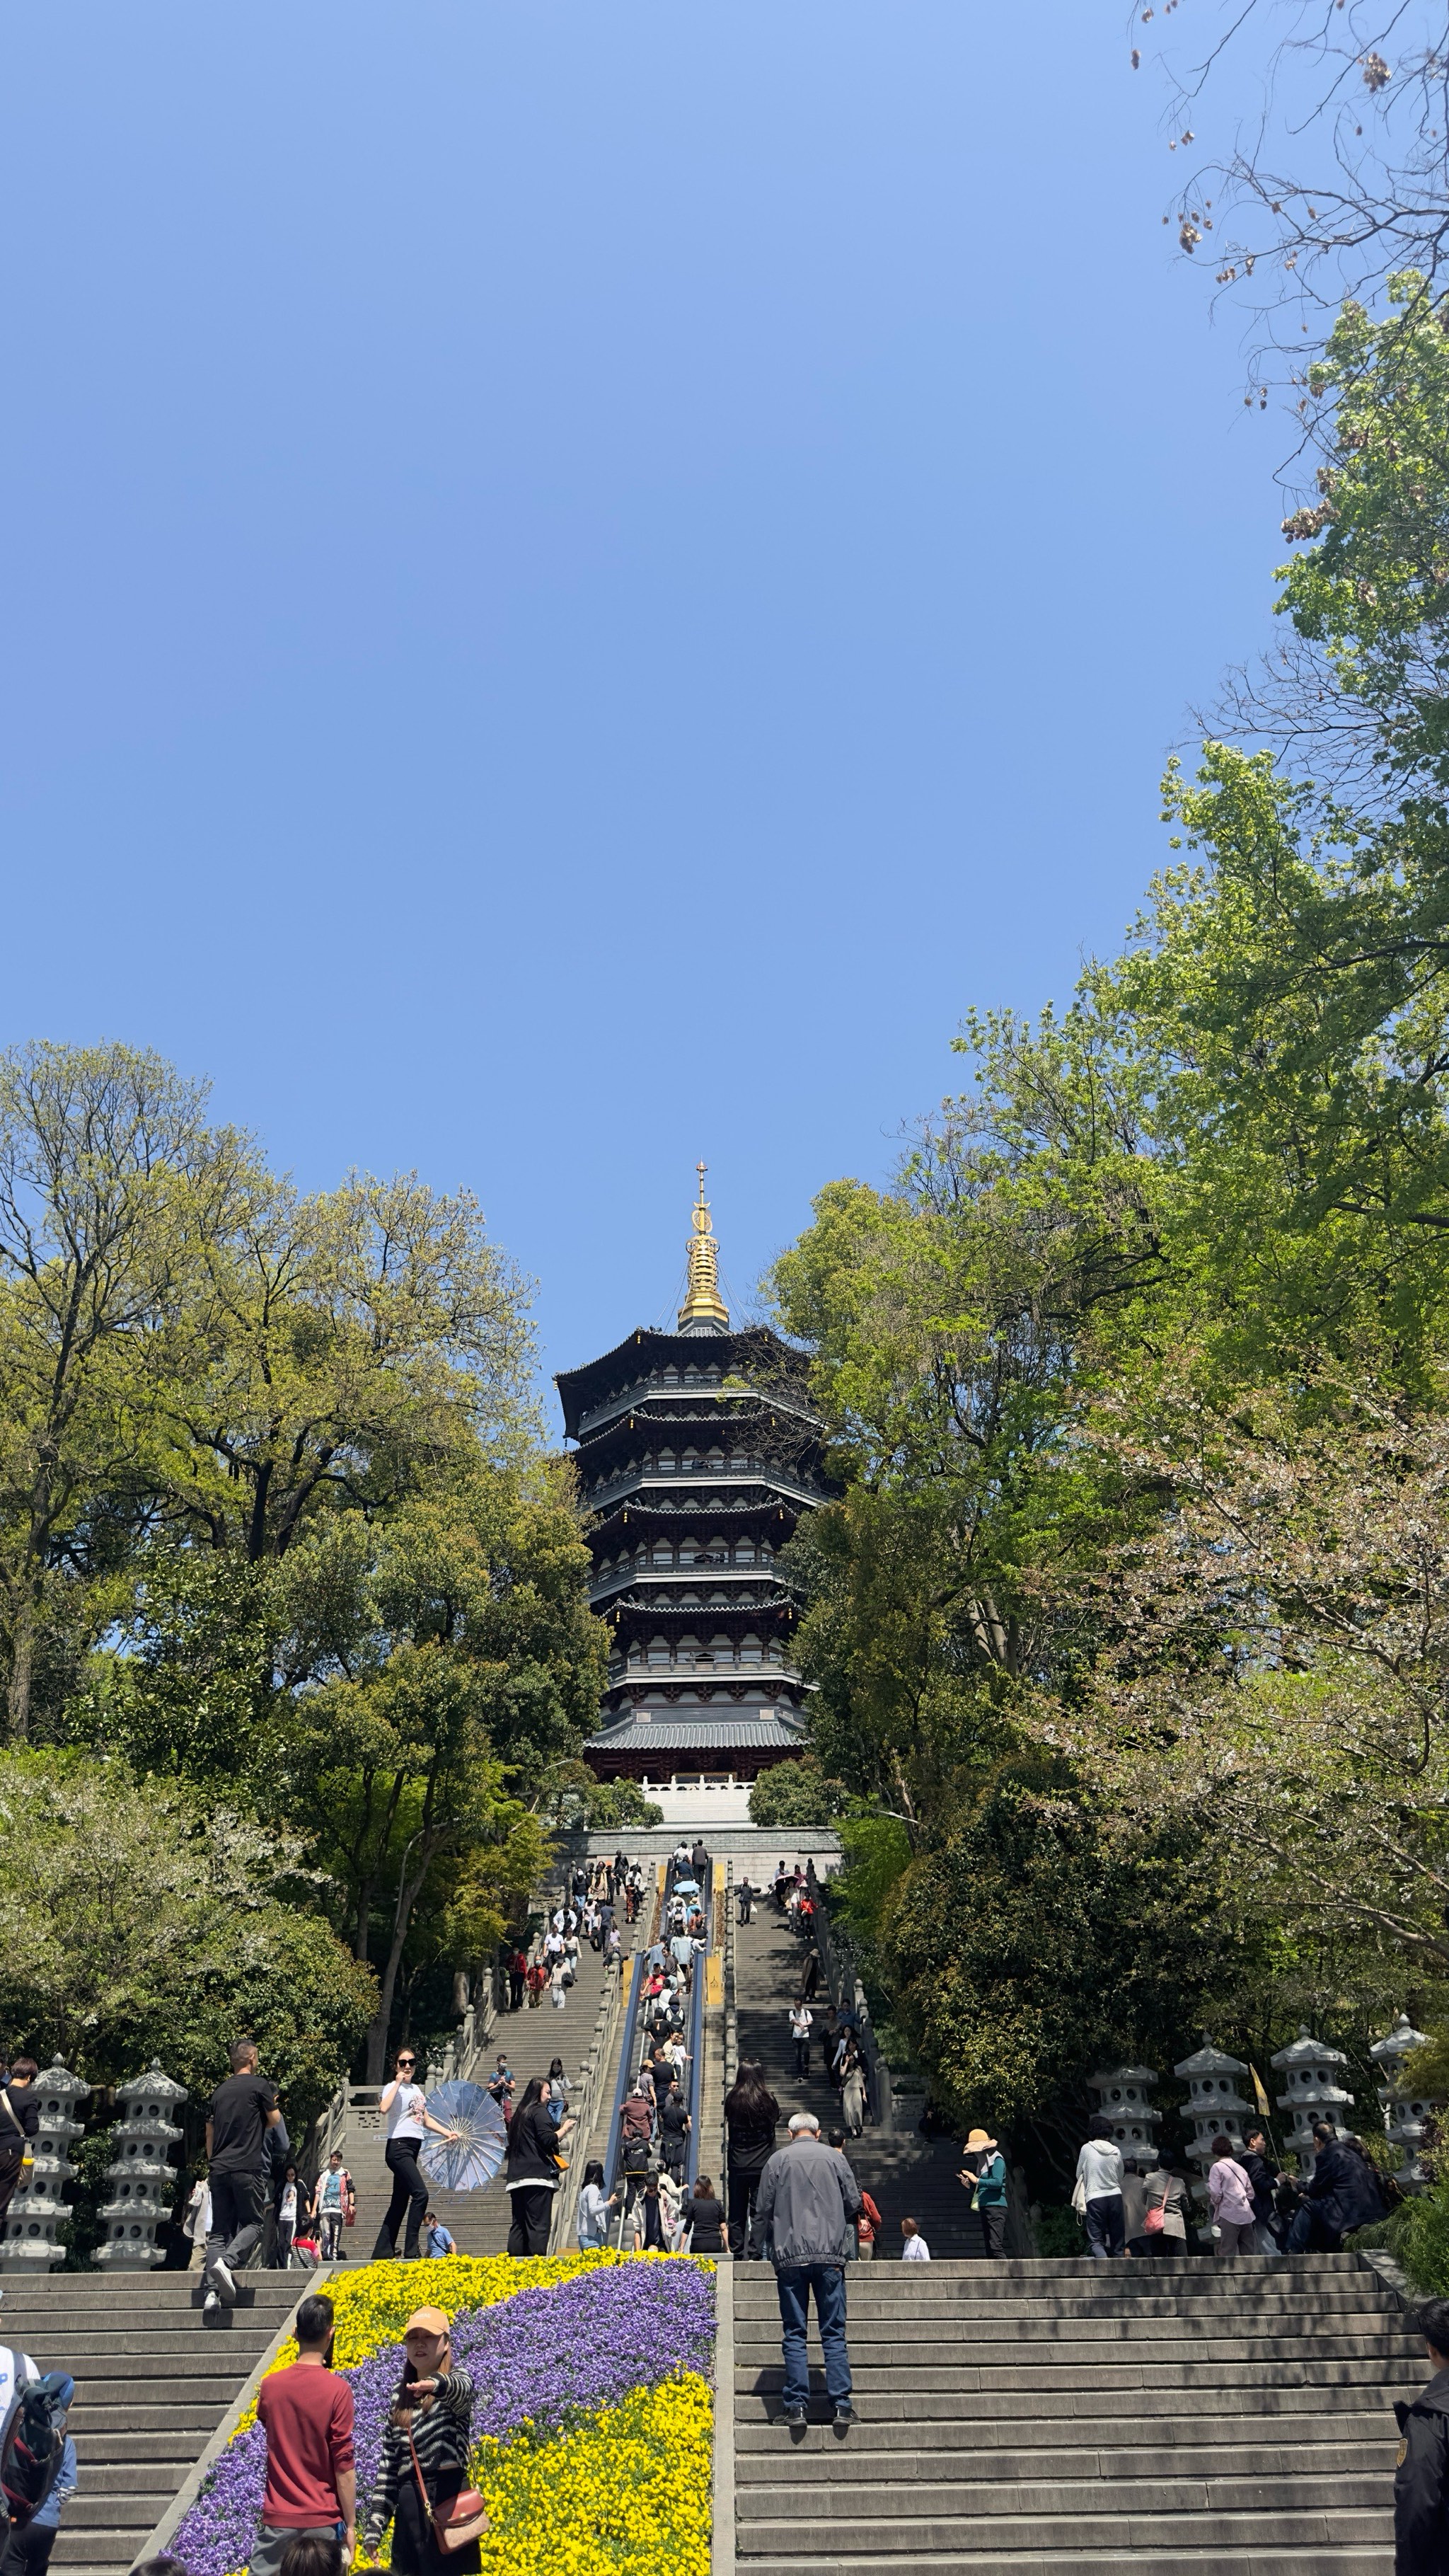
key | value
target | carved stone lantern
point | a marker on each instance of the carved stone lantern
(1214, 2106)
(1122, 2099)
(1405, 2113)
(39, 2205)
(1313, 2091)
(142, 2179)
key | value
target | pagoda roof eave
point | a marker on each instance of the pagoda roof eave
(580, 1390)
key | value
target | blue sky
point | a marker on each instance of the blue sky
(581, 580)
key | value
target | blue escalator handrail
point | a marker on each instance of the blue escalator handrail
(627, 2057)
(696, 2045)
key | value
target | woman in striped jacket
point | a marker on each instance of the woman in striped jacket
(430, 2418)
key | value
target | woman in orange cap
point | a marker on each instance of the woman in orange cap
(422, 2480)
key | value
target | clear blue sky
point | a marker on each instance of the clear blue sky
(581, 579)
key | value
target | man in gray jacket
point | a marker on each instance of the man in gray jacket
(808, 2203)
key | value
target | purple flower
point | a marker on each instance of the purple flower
(219, 2533)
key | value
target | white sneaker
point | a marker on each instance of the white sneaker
(222, 2274)
(211, 2305)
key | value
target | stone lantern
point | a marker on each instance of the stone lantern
(1313, 2092)
(39, 2205)
(1405, 2113)
(1214, 2105)
(1122, 2099)
(141, 2179)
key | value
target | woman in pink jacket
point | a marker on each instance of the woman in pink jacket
(1231, 2197)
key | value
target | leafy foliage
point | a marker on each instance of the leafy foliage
(795, 1793)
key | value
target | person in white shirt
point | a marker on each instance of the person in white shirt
(1097, 2195)
(802, 2022)
(915, 2248)
(405, 2106)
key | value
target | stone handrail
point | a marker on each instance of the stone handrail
(846, 1990)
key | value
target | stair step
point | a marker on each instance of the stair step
(1253, 2555)
(905, 2542)
(879, 2457)
(980, 2500)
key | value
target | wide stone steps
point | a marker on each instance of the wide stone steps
(479, 2220)
(155, 2378)
(1248, 2547)
(1029, 2416)
(879, 2457)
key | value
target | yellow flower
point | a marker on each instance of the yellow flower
(626, 2491)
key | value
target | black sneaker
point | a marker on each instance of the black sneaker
(793, 2415)
(845, 2412)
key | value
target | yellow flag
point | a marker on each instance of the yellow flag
(1259, 2096)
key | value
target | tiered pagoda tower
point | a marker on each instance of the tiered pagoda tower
(697, 1454)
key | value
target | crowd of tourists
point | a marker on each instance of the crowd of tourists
(1143, 2205)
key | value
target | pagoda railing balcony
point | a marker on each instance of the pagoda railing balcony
(769, 1676)
(705, 1570)
(670, 1479)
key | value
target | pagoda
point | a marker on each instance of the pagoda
(697, 1453)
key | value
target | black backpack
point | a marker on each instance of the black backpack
(32, 2444)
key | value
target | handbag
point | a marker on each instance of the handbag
(1079, 2197)
(458, 2519)
(26, 2157)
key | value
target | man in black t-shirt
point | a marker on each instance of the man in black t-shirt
(242, 2110)
(19, 2122)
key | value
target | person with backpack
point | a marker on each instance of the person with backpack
(334, 2205)
(28, 2550)
(19, 2123)
(1343, 2194)
(674, 2128)
(437, 2239)
(37, 2460)
(868, 2227)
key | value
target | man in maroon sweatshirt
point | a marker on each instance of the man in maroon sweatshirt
(306, 2413)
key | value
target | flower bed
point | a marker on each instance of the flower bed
(592, 2406)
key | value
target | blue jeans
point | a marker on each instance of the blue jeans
(795, 2282)
(1105, 2234)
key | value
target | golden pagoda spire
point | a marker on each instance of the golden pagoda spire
(703, 1303)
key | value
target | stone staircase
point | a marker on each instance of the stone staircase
(1087, 2418)
(907, 2176)
(153, 2383)
(479, 2220)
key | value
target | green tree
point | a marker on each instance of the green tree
(135, 1923)
(111, 1190)
(796, 1793)
(346, 1343)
